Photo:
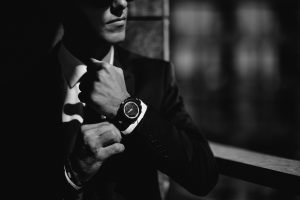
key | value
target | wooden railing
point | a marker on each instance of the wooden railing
(275, 172)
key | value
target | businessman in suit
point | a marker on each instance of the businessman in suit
(130, 119)
(95, 121)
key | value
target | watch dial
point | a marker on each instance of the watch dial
(131, 110)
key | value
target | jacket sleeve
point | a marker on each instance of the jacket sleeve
(177, 147)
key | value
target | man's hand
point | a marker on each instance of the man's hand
(99, 142)
(103, 88)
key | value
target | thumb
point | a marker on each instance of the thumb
(98, 65)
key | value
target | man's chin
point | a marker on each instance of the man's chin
(115, 38)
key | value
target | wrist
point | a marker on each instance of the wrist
(128, 112)
(83, 169)
(132, 126)
(118, 104)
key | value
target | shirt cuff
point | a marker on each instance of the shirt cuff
(134, 124)
(68, 178)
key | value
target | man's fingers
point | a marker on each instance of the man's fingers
(109, 137)
(98, 65)
(119, 71)
(106, 152)
(100, 135)
(86, 127)
(103, 128)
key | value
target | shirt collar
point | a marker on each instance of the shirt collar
(73, 69)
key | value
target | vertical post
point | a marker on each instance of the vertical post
(166, 29)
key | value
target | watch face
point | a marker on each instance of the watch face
(131, 110)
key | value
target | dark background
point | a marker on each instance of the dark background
(237, 63)
(240, 70)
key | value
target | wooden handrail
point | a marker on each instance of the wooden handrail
(272, 171)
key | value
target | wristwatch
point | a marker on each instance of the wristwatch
(128, 113)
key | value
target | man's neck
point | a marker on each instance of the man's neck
(85, 49)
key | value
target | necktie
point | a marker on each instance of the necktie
(75, 113)
(72, 117)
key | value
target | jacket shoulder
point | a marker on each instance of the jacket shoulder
(137, 60)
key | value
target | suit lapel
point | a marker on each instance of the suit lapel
(71, 128)
(128, 75)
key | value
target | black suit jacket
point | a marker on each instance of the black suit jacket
(166, 139)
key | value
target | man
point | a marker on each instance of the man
(132, 121)
(95, 121)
